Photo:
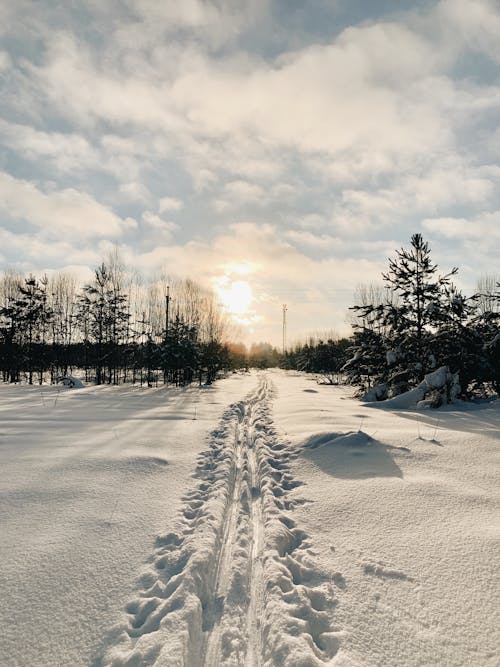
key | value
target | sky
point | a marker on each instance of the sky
(276, 150)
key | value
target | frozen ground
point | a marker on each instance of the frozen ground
(264, 521)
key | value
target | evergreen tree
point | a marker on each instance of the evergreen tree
(485, 326)
(103, 316)
(34, 315)
(423, 306)
(402, 343)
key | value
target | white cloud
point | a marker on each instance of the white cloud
(135, 192)
(158, 224)
(307, 239)
(475, 23)
(67, 151)
(344, 142)
(243, 190)
(170, 204)
(239, 193)
(280, 273)
(5, 61)
(363, 93)
(31, 253)
(485, 227)
(67, 214)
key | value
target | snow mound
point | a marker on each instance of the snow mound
(71, 382)
(376, 393)
(440, 386)
(407, 399)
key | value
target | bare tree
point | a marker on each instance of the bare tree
(488, 293)
(370, 294)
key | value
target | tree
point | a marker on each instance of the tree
(10, 326)
(487, 294)
(485, 325)
(423, 299)
(61, 293)
(34, 314)
(104, 316)
(400, 343)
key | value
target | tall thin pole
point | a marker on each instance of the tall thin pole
(284, 327)
(167, 307)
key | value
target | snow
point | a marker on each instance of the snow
(409, 526)
(71, 382)
(253, 523)
(405, 400)
(436, 388)
(376, 393)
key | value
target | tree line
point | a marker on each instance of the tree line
(413, 323)
(118, 328)
(115, 328)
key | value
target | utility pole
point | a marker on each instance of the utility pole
(167, 307)
(285, 308)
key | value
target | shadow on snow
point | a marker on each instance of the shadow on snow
(353, 455)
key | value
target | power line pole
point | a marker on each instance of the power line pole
(285, 308)
(167, 307)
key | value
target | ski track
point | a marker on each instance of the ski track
(236, 585)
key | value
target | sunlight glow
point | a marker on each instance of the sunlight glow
(241, 268)
(235, 295)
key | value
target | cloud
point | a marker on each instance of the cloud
(5, 61)
(475, 23)
(135, 192)
(453, 183)
(325, 146)
(306, 239)
(377, 99)
(279, 273)
(31, 253)
(170, 204)
(67, 214)
(320, 99)
(485, 227)
(363, 91)
(239, 193)
(67, 151)
(156, 223)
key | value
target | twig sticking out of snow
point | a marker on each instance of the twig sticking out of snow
(436, 429)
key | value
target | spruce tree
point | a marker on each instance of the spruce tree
(423, 304)
(399, 346)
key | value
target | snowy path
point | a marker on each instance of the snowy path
(162, 527)
(236, 584)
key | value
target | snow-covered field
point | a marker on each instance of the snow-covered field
(266, 520)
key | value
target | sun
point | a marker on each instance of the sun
(235, 295)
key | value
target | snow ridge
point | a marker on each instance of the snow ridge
(236, 584)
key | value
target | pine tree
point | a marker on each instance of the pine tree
(34, 315)
(485, 326)
(103, 316)
(399, 345)
(423, 304)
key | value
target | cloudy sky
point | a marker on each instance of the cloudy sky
(279, 150)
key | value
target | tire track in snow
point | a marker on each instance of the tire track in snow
(236, 585)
